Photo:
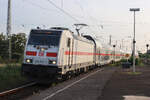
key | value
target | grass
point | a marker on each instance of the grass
(134, 73)
(138, 63)
(116, 64)
(2, 65)
(10, 77)
(141, 64)
(53, 84)
(12, 64)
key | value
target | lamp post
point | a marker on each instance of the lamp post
(147, 45)
(114, 53)
(134, 10)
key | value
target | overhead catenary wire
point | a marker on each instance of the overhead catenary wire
(47, 10)
(90, 17)
(39, 6)
(82, 8)
(85, 14)
(63, 11)
(67, 13)
(59, 9)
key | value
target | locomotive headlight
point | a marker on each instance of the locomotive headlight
(52, 62)
(42, 49)
(28, 60)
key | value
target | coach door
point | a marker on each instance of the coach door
(70, 44)
(72, 51)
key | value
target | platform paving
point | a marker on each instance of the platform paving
(126, 85)
(84, 87)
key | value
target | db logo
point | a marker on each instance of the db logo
(41, 53)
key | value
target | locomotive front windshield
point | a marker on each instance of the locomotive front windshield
(50, 38)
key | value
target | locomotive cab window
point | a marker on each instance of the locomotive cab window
(48, 38)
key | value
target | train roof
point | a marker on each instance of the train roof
(51, 29)
(59, 28)
(43, 30)
(81, 38)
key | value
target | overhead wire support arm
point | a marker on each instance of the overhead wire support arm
(79, 26)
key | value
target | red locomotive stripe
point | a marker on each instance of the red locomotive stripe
(87, 53)
(31, 53)
(105, 54)
(50, 54)
(78, 53)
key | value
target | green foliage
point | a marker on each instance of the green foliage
(134, 73)
(3, 47)
(144, 55)
(123, 60)
(17, 43)
(116, 64)
(137, 61)
(119, 62)
(10, 77)
(1, 60)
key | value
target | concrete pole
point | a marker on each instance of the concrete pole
(134, 10)
(110, 39)
(62, 4)
(9, 27)
(122, 44)
(134, 45)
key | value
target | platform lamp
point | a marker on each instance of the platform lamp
(134, 10)
(114, 52)
(147, 45)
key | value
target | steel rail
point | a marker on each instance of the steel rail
(16, 89)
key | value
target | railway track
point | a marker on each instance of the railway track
(33, 88)
(16, 89)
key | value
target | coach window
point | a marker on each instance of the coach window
(68, 42)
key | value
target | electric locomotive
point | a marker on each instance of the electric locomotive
(56, 53)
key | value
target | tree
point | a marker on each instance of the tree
(3, 47)
(18, 43)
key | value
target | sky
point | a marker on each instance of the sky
(104, 18)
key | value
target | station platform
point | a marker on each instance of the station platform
(85, 87)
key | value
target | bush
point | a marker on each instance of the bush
(123, 60)
(118, 63)
(10, 77)
(17, 47)
(1, 60)
(137, 61)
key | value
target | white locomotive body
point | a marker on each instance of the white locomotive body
(53, 52)
(58, 53)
